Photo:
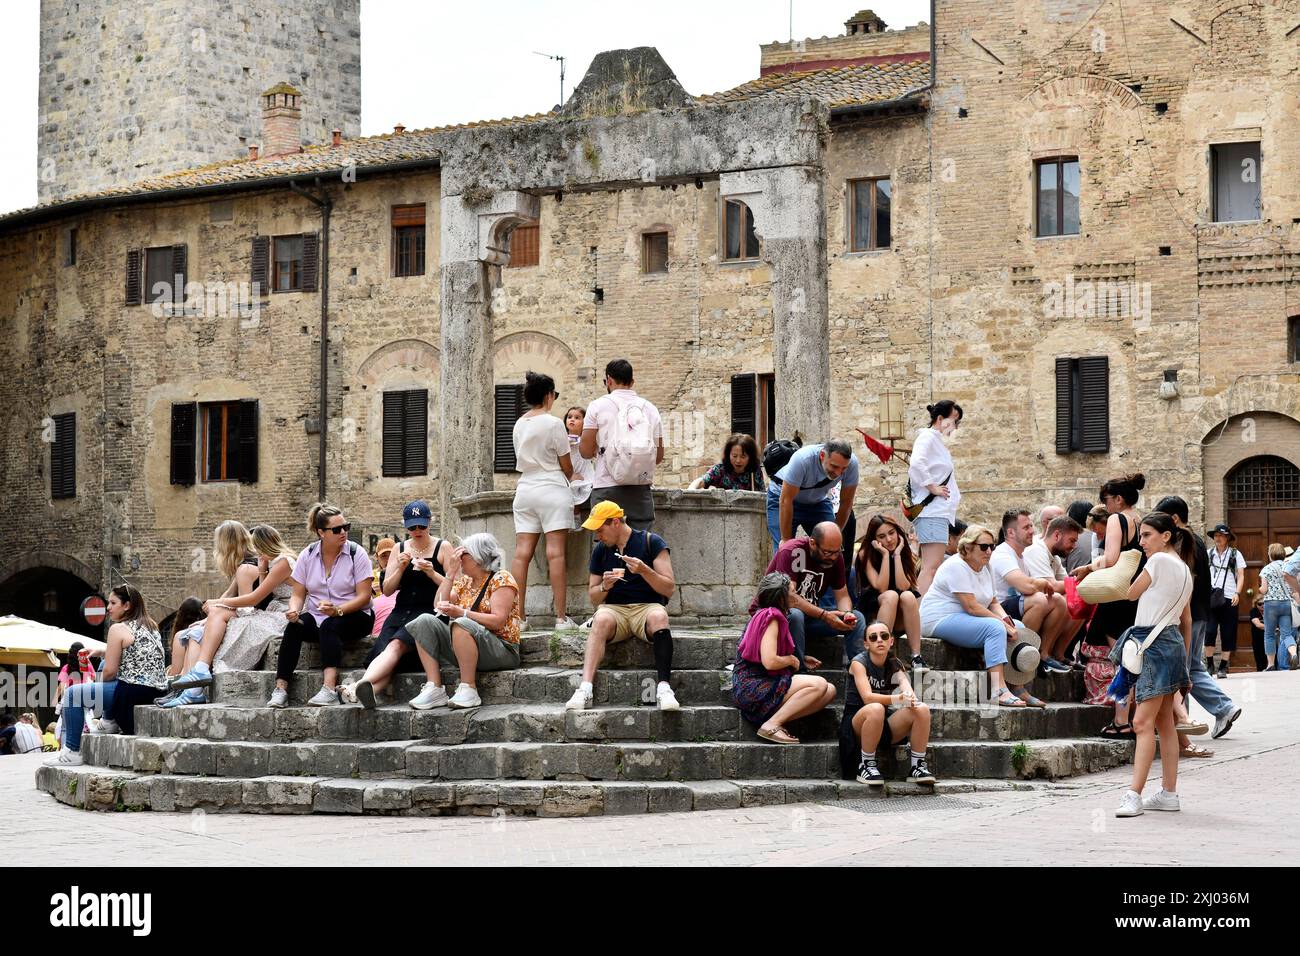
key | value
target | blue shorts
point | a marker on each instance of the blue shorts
(931, 530)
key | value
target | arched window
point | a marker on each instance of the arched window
(1264, 482)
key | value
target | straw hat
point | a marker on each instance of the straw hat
(1022, 656)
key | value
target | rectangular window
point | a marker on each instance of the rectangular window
(525, 249)
(509, 406)
(287, 264)
(226, 442)
(164, 274)
(870, 202)
(1056, 197)
(408, 240)
(218, 428)
(406, 431)
(753, 406)
(1235, 182)
(654, 252)
(63, 457)
(1293, 339)
(1082, 404)
(739, 241)
(70, 247)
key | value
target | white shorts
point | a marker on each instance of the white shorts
(543, 506)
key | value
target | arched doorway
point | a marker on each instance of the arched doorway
(51, 596)
(1262, 504)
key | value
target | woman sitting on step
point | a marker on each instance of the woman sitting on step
(330, 604)
(886, 580)
(414, 573)
(258, 616)
(962, 609)
(880, 710)
(765, 688)
(133, 674)
(476, 627)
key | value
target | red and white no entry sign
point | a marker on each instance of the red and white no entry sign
(94, 609)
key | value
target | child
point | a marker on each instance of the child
(880, 708)
(77, 669)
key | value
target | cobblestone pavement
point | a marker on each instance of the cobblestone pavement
(1236, 808)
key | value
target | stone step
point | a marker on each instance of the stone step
(100, 788)
(549, 723)
(1002, 759)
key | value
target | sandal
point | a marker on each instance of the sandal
(1032, 701)
(1008, 699)
(1114, 731)
(1191, 750)
(1192, 728)
(778, 736)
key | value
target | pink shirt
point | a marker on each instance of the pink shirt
(341, 584)
(383, 606)
(751, 644)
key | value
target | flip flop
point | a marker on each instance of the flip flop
(778, 736)
(1008, 699)
(1032, 701)
(1195, 751)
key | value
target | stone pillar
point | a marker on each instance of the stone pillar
(473, 249)
(789, 207)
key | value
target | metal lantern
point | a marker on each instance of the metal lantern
(891, 416)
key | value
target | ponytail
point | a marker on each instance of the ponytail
(1180, 539)
(319, 515)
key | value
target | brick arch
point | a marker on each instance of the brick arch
(1069, 86)
(519, 351)
(402, 353)
(50, 559)
(1277, 434)
(1269, 392)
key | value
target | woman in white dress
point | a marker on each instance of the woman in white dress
(259, 616)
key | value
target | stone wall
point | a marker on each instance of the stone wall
(125, 97)
(906, 43)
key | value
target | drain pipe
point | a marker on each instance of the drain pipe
(324, 204)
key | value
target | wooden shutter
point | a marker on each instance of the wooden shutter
(180, 262)
(509, 406)
(184, 434)
(394, 430)
(408, 216)
(744, 404)
(524, 247)
(63, 457)
(1064, 406)
(261, 259)
(247, 462)
(310, 260)
(1094, 402)
(133, 278)
(415, 440)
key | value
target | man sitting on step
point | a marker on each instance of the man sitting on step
(630, 583)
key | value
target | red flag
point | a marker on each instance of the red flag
(881, 451)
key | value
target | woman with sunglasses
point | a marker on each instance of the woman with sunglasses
(962, 608)
(881, 708)
(543, 502)
(331, 581)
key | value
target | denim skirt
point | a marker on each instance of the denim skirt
(931, 530)
(1164, 662)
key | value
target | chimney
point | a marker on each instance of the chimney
(252, 152)
(864, 21)
(399, 129)
(336, 137)
(282, 120)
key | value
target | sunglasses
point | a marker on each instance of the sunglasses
(878, 638)
(339, 529)
(418, 527)
(985, 547)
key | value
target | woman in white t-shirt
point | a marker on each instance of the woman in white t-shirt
(543, 501)
(962, 608)
(1163, 591)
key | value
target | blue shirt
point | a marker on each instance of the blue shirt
(805, 469)
(1291, 565)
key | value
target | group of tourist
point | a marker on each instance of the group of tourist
(1009, 591)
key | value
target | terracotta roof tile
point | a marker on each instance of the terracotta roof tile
(840, 86)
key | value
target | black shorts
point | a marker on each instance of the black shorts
(851, 744)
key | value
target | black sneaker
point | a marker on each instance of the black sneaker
(870, 774)
(921, 773)
(918, 662)
(1223, 669)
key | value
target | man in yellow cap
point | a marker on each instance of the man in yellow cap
(630, 583)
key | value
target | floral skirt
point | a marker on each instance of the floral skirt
(756, 693)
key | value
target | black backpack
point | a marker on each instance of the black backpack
(778, 453)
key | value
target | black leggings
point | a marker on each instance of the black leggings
(1223, 621)
(330, 634)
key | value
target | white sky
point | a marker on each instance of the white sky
(475, 60)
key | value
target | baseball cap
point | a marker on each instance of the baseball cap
(416, 513)
(385, 545)
(602, 513)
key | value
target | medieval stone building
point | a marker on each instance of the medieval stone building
(1081, 222)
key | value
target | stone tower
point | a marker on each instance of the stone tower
(129, 91)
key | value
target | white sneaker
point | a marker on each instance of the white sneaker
(580, 700)
(430, 696)
(348, 693)
(325, 697)
(279, 698)
(1130, 805)
(65, 758)
(586, 625)
(465, 697)
(108, 726)
(666, 699)
(1164, 800)
(565, 624)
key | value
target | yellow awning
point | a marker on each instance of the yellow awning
(32, 644)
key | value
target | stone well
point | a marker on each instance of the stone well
(719, 543)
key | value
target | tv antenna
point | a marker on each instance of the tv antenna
(552, 56)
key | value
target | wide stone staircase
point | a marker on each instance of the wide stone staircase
(522, 753)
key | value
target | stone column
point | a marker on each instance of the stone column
(473, 249)
(789, 207)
